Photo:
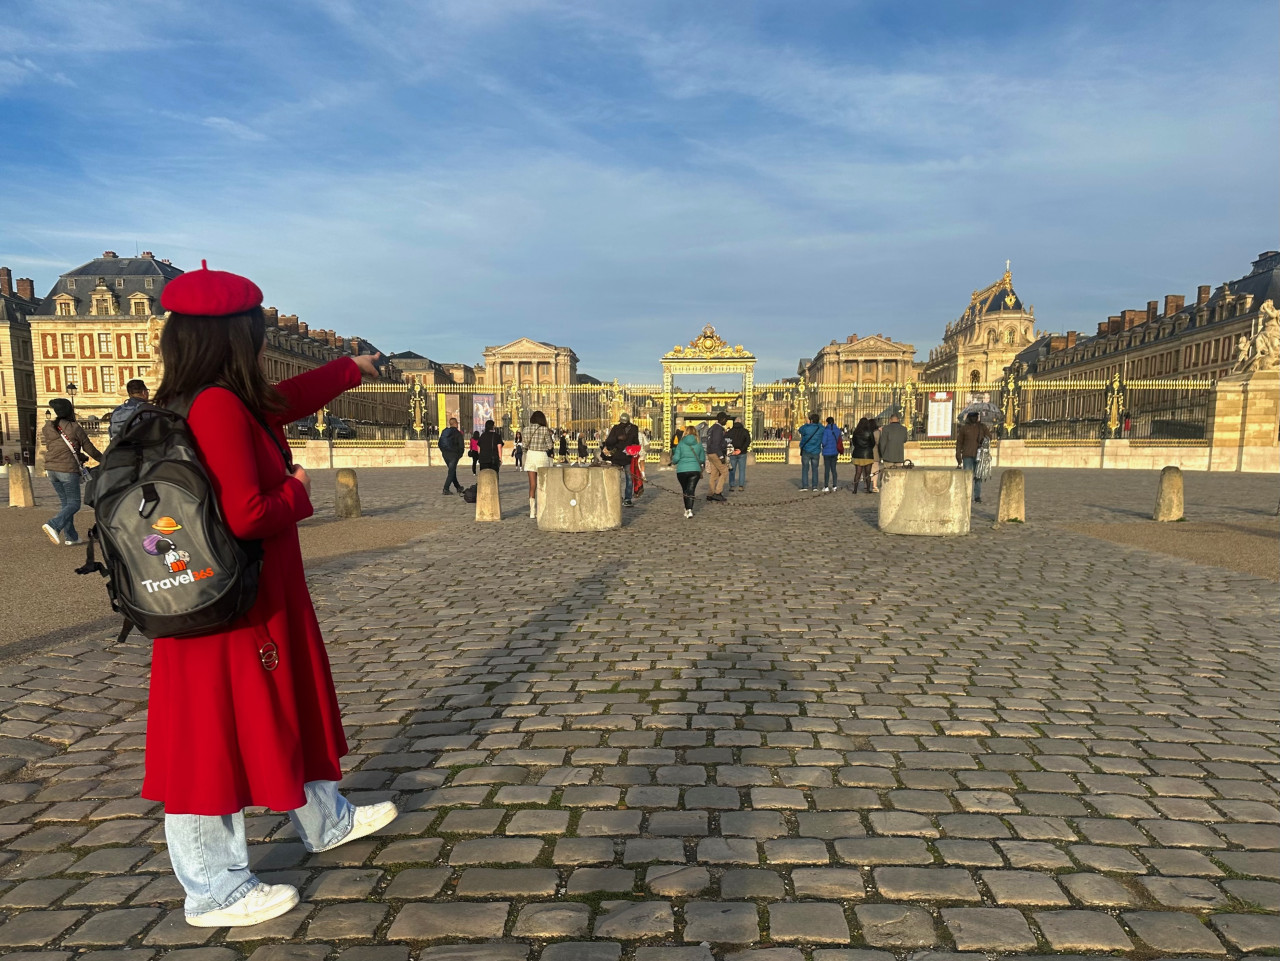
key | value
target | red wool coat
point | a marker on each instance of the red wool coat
(223, 732)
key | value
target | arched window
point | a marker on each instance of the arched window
(974, 377)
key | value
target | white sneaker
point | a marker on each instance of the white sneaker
(368, 818)
(687, 512)
(262, 903)
(826, 490)
(50, 533)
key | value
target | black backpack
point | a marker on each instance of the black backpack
(469, 495)
(173, 567)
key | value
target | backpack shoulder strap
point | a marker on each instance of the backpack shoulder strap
(182, 406)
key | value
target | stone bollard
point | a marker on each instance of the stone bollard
(930, 501)
(573, 500)
(664, 460)
(347, 502)
(1169, 495)
(1013, 497)
(21, 493)
(488, 506)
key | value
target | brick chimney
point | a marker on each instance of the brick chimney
(303, 329)
(1071, 337)
(1153, 309)
(1103, 328)
(1130, 317)
(1173, 303)
(6, 281)
(1202, 294)
(272, 315)
(148, 255)
(109, 255)
(26, 288)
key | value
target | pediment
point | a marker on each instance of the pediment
(523, 345)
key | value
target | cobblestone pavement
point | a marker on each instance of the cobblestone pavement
(769, 733)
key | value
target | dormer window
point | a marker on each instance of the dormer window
(71, 283)
(150, 283)
(139, 304)
(103, 304)
(119, 283)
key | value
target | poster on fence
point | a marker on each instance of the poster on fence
(482, 410)
(942, 405)
(449, 407)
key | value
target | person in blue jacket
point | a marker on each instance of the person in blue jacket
(810, 435)
(689, 458)
(831, 435)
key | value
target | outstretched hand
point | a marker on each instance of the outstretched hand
(368, 364)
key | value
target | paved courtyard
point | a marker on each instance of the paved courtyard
(768, 733)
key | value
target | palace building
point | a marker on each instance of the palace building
(528, 363)
(867, 360)
(1182, 340)
(984, 340)
(99, 327)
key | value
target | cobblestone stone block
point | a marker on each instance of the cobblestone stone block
(926, 884)
(33, 929)
(646, 850)
(721, 922)
(495, 851)
(1249, 932)
(437, 922)
(998, 930)
(841, 884)
(602, 881)
(1186, 893)
(896, 926)
(1023, 887)
(574, 851)
(507, 883)
(874, 851)
(755, 884)
(552, 920)
(582, 951)
(1087, 931)
(1095, 890)
(1172, 932)
(290, 952)
(635, 920)
(343, 922)
(677, 881)
(343, 885)
(111, 928)
(492, 951)
(812, 922)
(417, 883)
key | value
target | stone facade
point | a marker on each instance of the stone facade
(1196, 340)
(17, 370)
(868, 360)
(984, 340)
(528, 363)
(99, 327)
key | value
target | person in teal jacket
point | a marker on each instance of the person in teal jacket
(689, 458)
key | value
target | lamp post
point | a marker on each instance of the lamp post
(71, 392)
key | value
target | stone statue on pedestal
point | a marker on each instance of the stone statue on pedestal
(1262, 351)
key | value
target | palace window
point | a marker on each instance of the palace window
(108, 380)
(140, 345)
(544, 373)
(103, 305)
(64, 308)
(139, 307)
(68, 375)
(144, 371)
(104, 345)
(71, 283)
(119, 283)
(69, 345)
(149, 283)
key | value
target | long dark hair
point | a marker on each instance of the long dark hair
(199, 351)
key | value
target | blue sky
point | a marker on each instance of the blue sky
(439, 176)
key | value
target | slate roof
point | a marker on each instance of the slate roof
(134, 271)
(15, 309)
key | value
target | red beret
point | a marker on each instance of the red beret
(210, 293)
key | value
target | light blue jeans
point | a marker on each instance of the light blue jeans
(738, 471)
(67, 486)
(809, 465)
(210, 854)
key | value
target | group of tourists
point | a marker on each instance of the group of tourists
(872, 448)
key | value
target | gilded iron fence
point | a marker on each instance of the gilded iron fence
(1050, 412)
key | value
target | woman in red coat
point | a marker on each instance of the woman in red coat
(248, 716)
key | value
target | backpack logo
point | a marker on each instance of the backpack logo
(161, 545)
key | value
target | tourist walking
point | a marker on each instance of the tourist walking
(247, 716)
(875, 448)
(810, 451)
(451, 444)
(969, 438)
(584, 455)
(564, 447)
(893, 443)
(489, 448)
(65, 443)
(138, 395)
(862, 443)
(473, 450)
(622, 435)
(739, 440)
(717, 458)
(517, 451)
(541, 443)
(832, 448)
(689, 458)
